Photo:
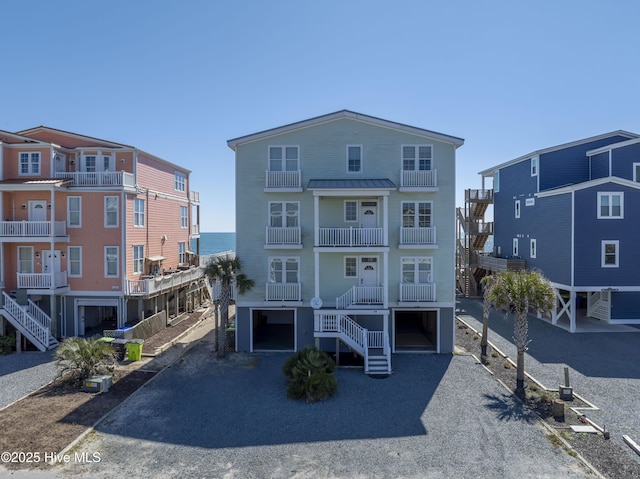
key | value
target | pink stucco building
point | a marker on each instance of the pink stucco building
(94, 235)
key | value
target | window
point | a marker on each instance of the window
(416, 157)
(283, 214)
(515, 250)
(530, 202)
(416, 215)
(283, 158)
(74, 261)
(354, 159)
(74, 211)
(179, 181)
(416, 270)
(184, 217)
(25, 259)
(182, 252)
(138, 212)
(111, 261)
(350, 267)
(534, 166)
(517, 208)
(610, 253)
(532, 248)
(29, 163)
(283, 270)
(110, 211)
(496, 181)
(138, 259)
(636, 172)
(350, 211)
(610, 205)
(90, 163)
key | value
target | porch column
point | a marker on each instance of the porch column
(572, 311)
(140, 309)
(385, 220)
(385, 279)
(554, 310)
(316, 220)
(316, 274)
(53, 304)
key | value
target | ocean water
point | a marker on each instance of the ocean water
(211, 243)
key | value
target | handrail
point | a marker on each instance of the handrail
(36, 332)
(39, 315)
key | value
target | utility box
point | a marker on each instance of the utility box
(96, 384)
(565, 393)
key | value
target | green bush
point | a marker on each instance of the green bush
(311, 375)
(80, 358)
(7, 344)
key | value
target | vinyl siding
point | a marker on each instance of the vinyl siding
(600, 165)
(623, 159)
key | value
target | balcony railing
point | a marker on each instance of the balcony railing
(32, 228)
(491, 263)
(195, 229)
(283, 236)
(418, 236)
(158, 284)
(361, 295)
(283, 291)
(283, 179)
(103, 178)
(351, 237)
(419, 178)
(194, 196)
(417, 292)
(42, 280)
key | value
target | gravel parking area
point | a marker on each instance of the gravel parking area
(436, 416)
(21, 374)
(604, 367)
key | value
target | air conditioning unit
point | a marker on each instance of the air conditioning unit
(96, 384)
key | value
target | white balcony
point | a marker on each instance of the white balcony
(412, 292)
(417, 179)
(283, 180)
(283, 292)
(417, 236)
(103, 178)
(283, 237)
(195, 230)
(194, 196)
(42, 280)
(351, 237)
(361, 295)
(31, 229)
(149, 286)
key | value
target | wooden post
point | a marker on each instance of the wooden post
(18, 341)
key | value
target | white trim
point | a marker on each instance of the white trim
(184, 217)
(344, 217)
(515, 249)
(589, 184)
(416, 214)
(530, 202)
(416, 149)
(137, 214)
(69, 274)
(359, 171)
(30, 171)
(490, 171)
(179, 181)
(516, 208)
(533, 248)
(319, 120)
(284, 213)
(117, 225)
(133, 258)
(636, 178)
(283, 149)
(613, 146)
(610, 194)
(535, 165)
(117, 275)
(31, 248)
(603, 245)
(344, 267)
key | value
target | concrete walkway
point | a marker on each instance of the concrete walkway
(604, 364)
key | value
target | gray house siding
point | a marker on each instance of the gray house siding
(600, 165)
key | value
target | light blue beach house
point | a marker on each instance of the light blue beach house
(346, 223)
(572, 211)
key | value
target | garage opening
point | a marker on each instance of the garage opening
(273, 330)
(416, 330)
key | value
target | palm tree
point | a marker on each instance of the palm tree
(517, 291)
(487, 283)
(226, 271)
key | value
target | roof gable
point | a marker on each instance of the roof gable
(590, 184)
(233, 143)
(68, 139)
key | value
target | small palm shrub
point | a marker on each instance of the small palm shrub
(80, 358)
(311, 375)
(7, 343)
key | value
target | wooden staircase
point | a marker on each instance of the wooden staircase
(373, 346)
(31, 321)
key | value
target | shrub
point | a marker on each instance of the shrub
(80, 358)
(311, 375)
(7, 344)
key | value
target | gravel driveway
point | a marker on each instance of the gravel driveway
(21, 374)
(604, 367)
(436, 416)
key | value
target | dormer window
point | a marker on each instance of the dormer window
(30, 163)
(534, 166)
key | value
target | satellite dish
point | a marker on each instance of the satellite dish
(316, 303)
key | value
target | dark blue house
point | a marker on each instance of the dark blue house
(573, 212)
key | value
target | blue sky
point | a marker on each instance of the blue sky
(180, 78)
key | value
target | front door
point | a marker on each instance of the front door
(51, 263)
(368, 271)
(37, 210)
(369, 214)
